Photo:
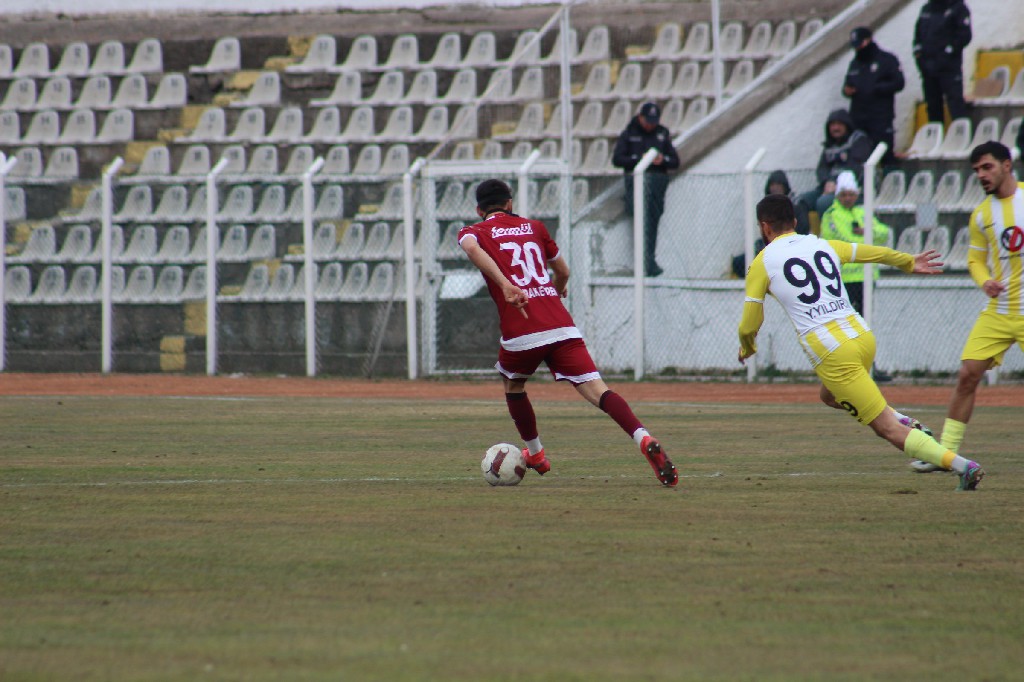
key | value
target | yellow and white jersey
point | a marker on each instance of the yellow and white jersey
(803, 272)
(997, 241)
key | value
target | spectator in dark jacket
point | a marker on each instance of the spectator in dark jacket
(777, 183)
(872, 81)
(942, 32)
(642, 133)
(845, 148)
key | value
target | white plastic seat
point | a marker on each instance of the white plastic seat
(463, 151)
(56, 94)
(195, 161)
(390, 89)
(956, 258)
(80, 128)
(262, 161)
(695, 113)
(956, 140)
(466, 125)
(360, 126)
(396, 160)
(18, 284)
(784, 39)
(659, 83)
(109, 59)
(238, 205)
(287, 128)
(34, 62)
(40, 247)
(526, 49)
(62, 164)
(142, 246)
(169, 285)
(398, 126)
(482, 51)
(530, 86)
(973, 193)
(368, 161)
(226, 55)
(742, 74)
(299, 161)
(598, 83)
(629, 84)
(499, 87)
(325, 242)
(195, 285)
(132, 92)
(706, 83)
(891, 193)
(234, 244)
(148, 57)
(381, 286)
(588, 123)
(272, 204)
(686, 80)
(598, 159)
(337, 161)
(731, 44)
(377, 241)
(449, 248)
(921, 190)
(491, 151)
(447, 54)
(326, 126)
(395, 250)
(10, 128)
(83, 286)
(937, 239)
(321, 56)
(173, 205)
(926, 141)
(262, 244)
(423, 89)
(672, 114)
(137, 204)
(1010, 130)
(156, 162)
(250, 127)
(1015, 94)
(97, 93)
(330, 203)
(328, 283)
(350, 245)
(43, 129)
(171, 93)
(619, 117)
(211, 127)
(282, 283)
(29, 166)
(347, 91)
(809, 28)
(257, 281)
(140, 286)
(698, 43)
(435, 126)
(759, 41)
(554, 55)
(175, 246)
(15, 207)
(6, 61)
(451, 201)
(987, 129)
(462, 89)
(51, 287)
(362, 55)
(404, 53)
(356, 279)
(74, 60)
(666, 43)
(265, 92)
(948, 190)
(911, 240)
(198, 252)
(596, 46)
(76, 246)
(20, 96)
(460, 284)
(549, 202)
(531, 123)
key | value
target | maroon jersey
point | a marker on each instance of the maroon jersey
(522, 248)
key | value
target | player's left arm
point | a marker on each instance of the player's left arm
(514, 296)
(560, 275)
(753, 308)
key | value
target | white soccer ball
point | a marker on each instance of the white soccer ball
(503, 464)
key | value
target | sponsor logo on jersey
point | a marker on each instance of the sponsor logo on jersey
(515, 231)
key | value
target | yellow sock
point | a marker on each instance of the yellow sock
(953, 434)
(921, 446)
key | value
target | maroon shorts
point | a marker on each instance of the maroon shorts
(568, 360)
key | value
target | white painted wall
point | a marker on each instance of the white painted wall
(792, 130)
(94, 7)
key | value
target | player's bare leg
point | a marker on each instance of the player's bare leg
(597, 393)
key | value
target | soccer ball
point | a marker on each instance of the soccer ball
(503, 464)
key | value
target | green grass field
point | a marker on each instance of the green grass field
(331, 539)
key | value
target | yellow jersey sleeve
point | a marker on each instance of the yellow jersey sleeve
(753, 305)
(870, 253)
(977, 253)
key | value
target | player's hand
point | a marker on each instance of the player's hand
(928, 263)
(993, 288)
(517, 298)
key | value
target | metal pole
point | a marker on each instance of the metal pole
(565, 89)
(522, 203)
(310, 265)
(212, 240)
(409, 216)
(749, 220)
(716, 44)
(638, 259)
(869, 232)
(106, 268)
(6, 165)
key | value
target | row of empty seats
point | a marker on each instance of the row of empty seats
(763, 42)
(1006, 88)
(952, 193)
(76, 61)
(915, 239)
(97, 92)
(933, 141)
(61, 165)
(79, 128)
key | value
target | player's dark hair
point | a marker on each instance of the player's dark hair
(492, 195)
(999, 151)
(777, 211)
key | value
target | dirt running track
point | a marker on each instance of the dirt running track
(189, 385)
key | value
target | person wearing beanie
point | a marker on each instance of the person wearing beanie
(873, 78)
(645, 132)
(845, 148)
(942, 32)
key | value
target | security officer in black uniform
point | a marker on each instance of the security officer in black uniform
(643, 132)
(872, 81)
(942, 32)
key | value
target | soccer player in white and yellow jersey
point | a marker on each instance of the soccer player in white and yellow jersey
(803, 273)
(994, 262)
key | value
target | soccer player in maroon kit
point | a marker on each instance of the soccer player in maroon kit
(514, 253)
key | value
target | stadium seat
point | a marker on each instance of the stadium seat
(325, 243)
(447, 54)
(937, 239)
(76, 246)
(741, 76)
(34, 62)
(1015, 93)
(783, 41)
(530, 125)
(398, 127)
(83, 287)
(891, 193)
(10, 128)
(628, 84)
(921, 190)
(6, 61)
(211, 127)
(759, 41)
(809, 28)
(142, 245)
(299, 161)
(956, 258)
(423, 89)
(598, 83)
(926, 142)
(491, 150)
(356, 279)
(173, 206)
(225, 56)
(272, 204)
(659, 83)
(449, 206)
(238, 205)
(910, 240)
(169, 285)
(132, 92)
(347, 91)
(731, 44)
(954, 143)
(330, 203)
(686, 81)
(328, 284)
(155, 163)
(56, 94)
(15, 207)
(265, 92)
(51, 287)
(282, 283)
(43, 129)
(74, 61)
(619, 117)
(948, 191)
(598, 160)
(360, 126)
(97, 93)
(321, 56)
(175, 246)
(251, 126)
(698, 43)
(449, 248)
(171, 93)
(596, 46)
(404, 54)
(554, 56)
(482, 51)
(377, 240)
(262, 244)
(29, 166)
(390, 89)
(531, 85)
(257, 280)
(234, 244)
(350, 246)
(62, 164)
(109, 59)
(695, 113)
(666, 45)
(137, 205)
(381, 286)
(1009, 136)
(195, 285)
(287, 128)
(80, 128)
(20, 96)
(40, 247)
(17, 284)
(336, 161)
(462, 89)
(991, 89)
(362, 55)
(526, 49)
(672, 115)
(589, 121)
(148, 57)
(396, 160)
(973, 194)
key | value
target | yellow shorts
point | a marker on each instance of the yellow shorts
(992, 335)
(846, 373)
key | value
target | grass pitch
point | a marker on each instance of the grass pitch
(329, 539)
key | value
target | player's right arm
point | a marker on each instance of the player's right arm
(514, 296)
(753, 307)
(560, 275)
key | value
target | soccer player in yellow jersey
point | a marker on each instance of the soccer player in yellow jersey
(994, 261)
(803, 273)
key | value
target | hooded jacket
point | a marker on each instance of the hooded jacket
(845, 153)
(634, 142)
(877, 77)
(942, 32)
